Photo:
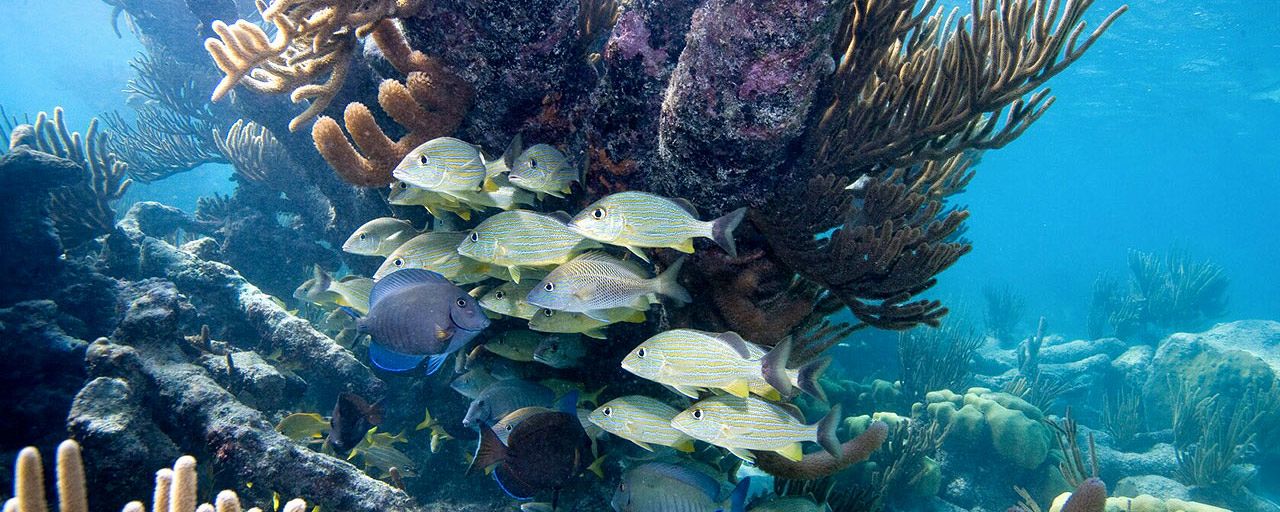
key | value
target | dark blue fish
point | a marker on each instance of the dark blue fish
(543, 452)
(503, 397)
(417, 314)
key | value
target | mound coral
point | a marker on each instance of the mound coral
(985, 420)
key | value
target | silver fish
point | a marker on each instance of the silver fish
(743, 424)
(443, 164)
(636, 220)
(379, 237)
(595, 282)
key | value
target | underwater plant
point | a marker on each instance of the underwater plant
(935, 359)
(1176, 292)
(1004, 311)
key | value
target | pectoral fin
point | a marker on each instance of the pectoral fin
(643, 444)
(743, 454)
(688, 391)
(515, 274)
(685, 446)
(638, 252)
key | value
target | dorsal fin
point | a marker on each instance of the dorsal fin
(401, 279)
(791, 409)
(513, 152)
(560, 215)
(685, 205)
(734, 341)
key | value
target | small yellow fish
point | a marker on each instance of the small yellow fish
(508, 299)
(520, 239)
(443, 164)
(550, 320)
(435, 251)
(303, 426)
(438, 434)
(643, 421)
(743, 424)
(540, 168)
(636, 220)
(322, 289)
(379, 237)
(377, 450)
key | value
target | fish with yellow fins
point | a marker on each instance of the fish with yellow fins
(743, 424)
(596, 282)
(323, 289)
(379, 237)
(522, 239)
(443, 164)
(540, 168)
(690, 360)
(509, 299)
(435, 251)
(565, 322)
(437, 204)
(643, 421)
(636, 220)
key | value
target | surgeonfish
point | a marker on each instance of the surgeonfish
(508, 423)
(503, 397)
(443, 164)
(643, 421)
(564, 322)
(509, 299)
(417, 314)
(742, 424)
(540, 168)
(668, 487)
(594, 282)
(435, 251)
(691, 360)
(560, 351)
(352, 417)
(379, 237)
(323, 289)
(636, 220)
(520, 239)
(542, 453)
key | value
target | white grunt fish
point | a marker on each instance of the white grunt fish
(636, 220)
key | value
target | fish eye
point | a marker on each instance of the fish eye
(533, 163)
(551, 287)
(499, 295)
(641, 352)
(475, 236)
(697, 414)
(398, 262)
(462, 303)
(362, 236)
(422, 159)
(548, 313)
(598, 213)
(554, 347)
(403, 185)
(608, 411)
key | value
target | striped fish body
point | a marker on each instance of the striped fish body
(640, 219)
(741, 424)
(543, 169)
(550, 320)
(666, 487)
(522, 238)
(516, 345)
(596, 281)
(379, 237)
(691, 360)
(435, 251)
(354, 292)
(509, 299)
(503, 197)
(436, 203)
(788, 504)
(643, 421)
(443, 164)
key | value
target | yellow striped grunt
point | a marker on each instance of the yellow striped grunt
(508, 299)
(594, 282)
(443, 164)
(635, 220)
(521, 239)
(684, 487)
(690, 361)
(643, 421)
(549, 320)
(379, 237)
(540, 168)
(403, 194)
(435, 251)
(742, 424)
(349, 291)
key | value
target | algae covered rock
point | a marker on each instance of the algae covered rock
(982, 419)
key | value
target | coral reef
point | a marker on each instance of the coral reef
(985, 420)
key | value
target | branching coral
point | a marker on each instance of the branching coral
(886, 248)
(1176, 291)
(1214, 435)
(912, 86)
(80, 213)
(313, 41)
(1004, 311)
(934, 359)
(429, 104)
(251, 149)
(175, 488)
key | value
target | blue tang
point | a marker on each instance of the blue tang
(417, 314)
